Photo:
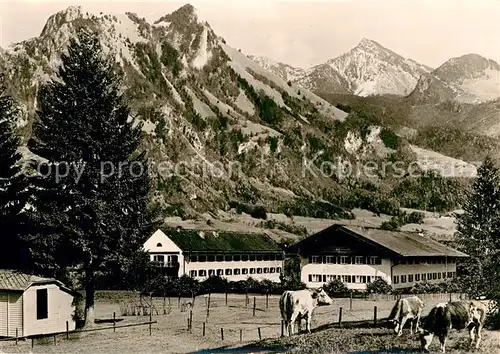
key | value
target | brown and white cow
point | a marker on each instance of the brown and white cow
(406, 309)
(453, 315)
(299, 304)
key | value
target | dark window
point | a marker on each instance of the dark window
(417, 277)
(236, 271)
(244, 258)
(220, 272)
(244, 271)
(202, 258)
(193, 273)
(444, 275)
(158, 244)
(252, 258)
(252, 270)
(265, 257)
(278, 270)
(202, 273)
(266, 270)
(229, 271)
(219, 258)
(259, 257)
(211, 258)
(42, 304)
(174, 259)
(193, 258)
(211, 272)
(236, 258)
(310, 278)
(272, 270)
(259, 270)
(228, 258)
(279, 257)
(410, 278)
(396, 279)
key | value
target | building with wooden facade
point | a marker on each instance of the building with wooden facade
(357, 256)
(32, 305)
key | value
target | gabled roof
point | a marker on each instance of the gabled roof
(403, 244)
(221, 241)
(13, 280)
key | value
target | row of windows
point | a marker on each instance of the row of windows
(160, 258)
(423, 277)
(427, 261)
(344, 260)
(235, 271)
(359, 279)
(235, 258)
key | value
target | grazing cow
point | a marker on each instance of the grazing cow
(453, 315)
(406, 309)
(295, 305)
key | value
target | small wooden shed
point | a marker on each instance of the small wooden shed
(32, 305)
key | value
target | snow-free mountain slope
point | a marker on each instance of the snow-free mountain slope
(470, 78)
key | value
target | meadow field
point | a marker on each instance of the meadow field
(171, 334)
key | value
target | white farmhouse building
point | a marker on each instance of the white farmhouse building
(357, 256)
(31, 305)
(232, 255)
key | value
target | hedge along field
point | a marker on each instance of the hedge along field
(171, 334)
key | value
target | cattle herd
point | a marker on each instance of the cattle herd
(458, 315)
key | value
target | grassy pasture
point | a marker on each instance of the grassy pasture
(170, 333)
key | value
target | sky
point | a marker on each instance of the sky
(305, 33)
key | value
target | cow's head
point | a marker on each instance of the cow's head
(425, 338)
(474, 314)
(394, 324)
(321, 297)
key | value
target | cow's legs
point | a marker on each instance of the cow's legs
(472, 335)
(419, 314)
(442, 341)
(411, 326)
(308, 323)
(403, 321)
(293, 319)
(478, 334)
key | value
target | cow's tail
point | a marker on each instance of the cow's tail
(396, 310)
(286, 306)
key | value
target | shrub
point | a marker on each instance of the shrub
(389, 138)
(258, 212)
(379, 286)
(335, 287)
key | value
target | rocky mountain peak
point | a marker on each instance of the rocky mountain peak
(67, 15)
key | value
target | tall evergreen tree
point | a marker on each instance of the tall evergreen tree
(12, 186)
(91, 198)
(478, 230)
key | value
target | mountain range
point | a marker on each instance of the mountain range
(371, 69)
(206, 105)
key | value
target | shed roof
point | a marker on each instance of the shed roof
(223, 241)
(13, 280)
(404, 243)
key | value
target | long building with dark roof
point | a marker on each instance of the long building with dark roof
(202, 253)
(357, 256)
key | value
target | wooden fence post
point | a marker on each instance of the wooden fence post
(246, 299)
(282, 328)
(179, 301)
(226, 297)
(241, 335)
(375, 315)
(350, 301)
(190, 320)
(254, 305)
(208, 307)
(55, 340)
(267, 301)
(32, 342)
(188, 323)
(150, 316)
(114, 322)
(260, 336)
(203, 329)
(17, 334)
(450, 296)
(222, 333)
(340, 317)
(67, 330)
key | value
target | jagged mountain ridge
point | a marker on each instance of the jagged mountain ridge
(367, 69)
(469, 78)
(207, 105)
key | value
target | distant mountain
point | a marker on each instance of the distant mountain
(469, 78)
(285, 71)
(367, 69)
